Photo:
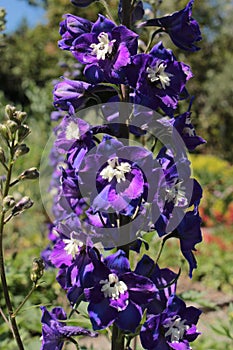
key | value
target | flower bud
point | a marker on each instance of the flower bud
(23, 204)
(4, 131)
(8, 203)
(37, 270)
(2, 156)
(23, 132)
(10, 111)
(21, 150)
(29, 174)
(12, 126)
(21, 116)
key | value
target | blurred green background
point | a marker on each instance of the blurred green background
(30, 62)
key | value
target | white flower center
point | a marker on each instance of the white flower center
(72, 131)
(176, 194)
(114, 168)
(73, 245)
(158, 73)
(103, 48)
(176, 329)
(112, 287)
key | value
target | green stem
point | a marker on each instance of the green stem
(24, 300)
(5, 289)
(118, 339)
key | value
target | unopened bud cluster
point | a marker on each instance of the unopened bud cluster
(37, 270)
(13, 132)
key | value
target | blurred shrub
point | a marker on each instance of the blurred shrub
(215, 175)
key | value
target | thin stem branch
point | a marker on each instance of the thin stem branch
(24, 300)
(9, 306)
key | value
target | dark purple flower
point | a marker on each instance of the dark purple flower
(184, 30)
(71, 28)
(75, 93)
(106, 50)
(165, 281)
(174, 328)
(118, 294)
(183, 125)
(55, 331)
(189, 234)
(177, 191)
(158, 79)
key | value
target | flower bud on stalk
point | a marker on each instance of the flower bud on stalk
(23, 132)
(37, 270)
(12, 126)
(10, 111)
(4, 131)
(8, 203)
(29, 174)
(23, 204)
(21, 150)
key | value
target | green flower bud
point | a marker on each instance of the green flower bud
(37, 270)
(29, 174)
(12, 126)
(8, 203)
(23, 132)
(4, 131)
(23, 204)
(21, 116)
(21, 150)
(10, 111)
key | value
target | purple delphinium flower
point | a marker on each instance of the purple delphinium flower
(71, 255)
(183, 125)
(189, 234)
(158, 79)
(55, 331)
(75, 93)
(178, 191)
(71, 28)
(106, 50)
(165, 281)
(184, 30)
(118, 294)
(174, 328)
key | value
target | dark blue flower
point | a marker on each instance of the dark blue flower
(71, 28)
(106, 50)
(183, 125)
(158, 79)
(174, 328)
(189, 234)
(55, 331)
(118, 294)
(177, 192)
(165, 281)
(184, 30)
(75, 93)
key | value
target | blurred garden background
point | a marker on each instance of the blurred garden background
(30, 63)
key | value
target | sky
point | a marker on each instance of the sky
(19, 9)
